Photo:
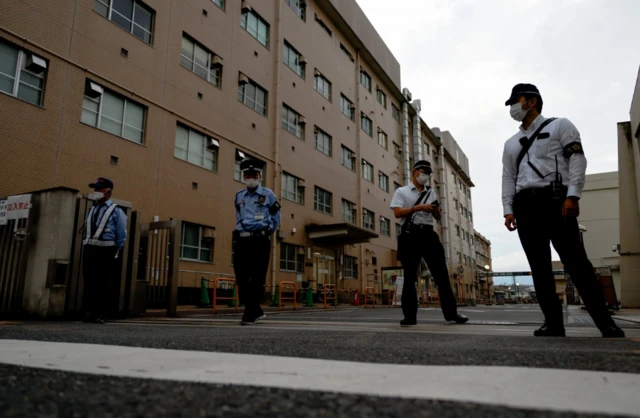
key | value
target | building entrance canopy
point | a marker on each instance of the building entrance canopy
(338, 234)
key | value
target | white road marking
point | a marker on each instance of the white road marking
(517, 387)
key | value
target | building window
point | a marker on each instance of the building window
(293, 59)
(395, 112)
(237, 173)
(397, 151)
(113, 113)
(460, 184)
(396, 186)
(252, 95)
(366, 124)
(464, 257)
(463, 236)
(365, 80)
(435, 157)
(350, 267)
(385, 226)
(458, 231)
(198, 59)
(398, 230)
(292, 122)
(455, 203)
(383, 180)
(256, 26)
(323, 141)
(219, 3)
(459, 258)
(197, 243)
(292, 188)
(298, 6)
(348, 211)
(323, 25)
(347, 53)
(322, 85)
(196, 148)
(425, 150)
(382, 98)
(348, 158)
(22, 73)
(368, 219)
(322, 200)
(383, 139)
(291, 258)
(347, 107)
(367, 171)
(471, 216)
(131, 15)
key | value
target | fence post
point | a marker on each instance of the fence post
(174, 257)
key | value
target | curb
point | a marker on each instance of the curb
(626, 319)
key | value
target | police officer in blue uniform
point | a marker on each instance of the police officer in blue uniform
(105, 232)
(257, 217)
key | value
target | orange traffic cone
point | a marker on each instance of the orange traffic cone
(356, 299)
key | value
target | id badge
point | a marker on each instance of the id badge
(258, 217)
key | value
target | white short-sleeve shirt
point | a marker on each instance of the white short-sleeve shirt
(406, 196)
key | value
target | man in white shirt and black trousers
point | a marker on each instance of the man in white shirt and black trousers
(542, 180)
(417, 205)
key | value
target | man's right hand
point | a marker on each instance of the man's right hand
(510, 222)
(425, 208)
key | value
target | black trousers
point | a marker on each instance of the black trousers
(98, 264)
(250, 264)
(540, 221)
(425, 244)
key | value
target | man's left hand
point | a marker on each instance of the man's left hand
(571, 208)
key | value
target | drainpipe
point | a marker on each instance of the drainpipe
(277, 186)
(417, 131)
(405, 136)
(444, 199)
(361, 271)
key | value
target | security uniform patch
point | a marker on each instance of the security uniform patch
(572, 148)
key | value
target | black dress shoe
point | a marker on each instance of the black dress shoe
(612, 331)
(99, 321)
(408, 323)
(548, 331)
(458, 319)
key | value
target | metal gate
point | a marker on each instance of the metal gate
(158, 263)
(13, 263)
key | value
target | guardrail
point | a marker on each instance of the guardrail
(292, 285)
(373, 297)
(335, 295)
(215, 291)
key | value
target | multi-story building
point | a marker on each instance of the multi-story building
(483, 265)
(167, 97)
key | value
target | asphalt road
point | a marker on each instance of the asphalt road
(496, 337)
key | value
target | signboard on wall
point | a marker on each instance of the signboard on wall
(389, 277)
(14, 207)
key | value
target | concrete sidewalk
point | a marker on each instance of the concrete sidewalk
(629, 315)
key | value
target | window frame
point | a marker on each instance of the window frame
(395, 112)
(21, 63)
(296, 66)
(299, 9)
(135, 3)
(365, 79)
(351, 157)
(205, 150)
(350, 267)
(367, 167)
(363, 120)
(288, 126)
(199, 247)
(345, 104)
(317, 205)
(385, 139)
(366, 213)
(317, 132)
(325, 82)
(385, 222)
(210, 65)
(382, 176)
(298, 261)
(244, 24)
(349, 212)
(242, 96)
(298, 190)
(380, 94)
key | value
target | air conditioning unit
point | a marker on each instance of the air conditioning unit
(242, 79)
(36, 64)
(216, 62)
(245, 7)
(212, 144)
(92, 89)
(302, 60)
(301, 184)
(352, 106)
(281, 235)
(302, 120)
(407, 94)
(317, 73)
(208, 233)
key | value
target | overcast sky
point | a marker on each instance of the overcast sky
(462, 57)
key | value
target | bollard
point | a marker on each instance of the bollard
(204, 293)
(276, 297)
(309, 301)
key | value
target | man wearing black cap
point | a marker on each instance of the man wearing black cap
(542, 180)
(417, 205)
(257, 217)
(105, 232)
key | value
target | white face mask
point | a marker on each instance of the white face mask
(517, 113)
(252, 183)
(423, 178)
(96, 195)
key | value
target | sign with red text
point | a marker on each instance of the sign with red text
(14, 207)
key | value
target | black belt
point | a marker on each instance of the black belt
(421, 227)
(540, 191)
(247, 234)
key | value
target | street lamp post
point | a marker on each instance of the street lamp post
(518, 290)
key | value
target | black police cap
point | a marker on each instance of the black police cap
(423, 164)
(102, 183)
(522, 90)
(250, 164)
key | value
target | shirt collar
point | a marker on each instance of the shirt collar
(536, 123)
(107, 203)
(259, 190)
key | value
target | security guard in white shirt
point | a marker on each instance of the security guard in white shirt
(542, 180)
(417, 205)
